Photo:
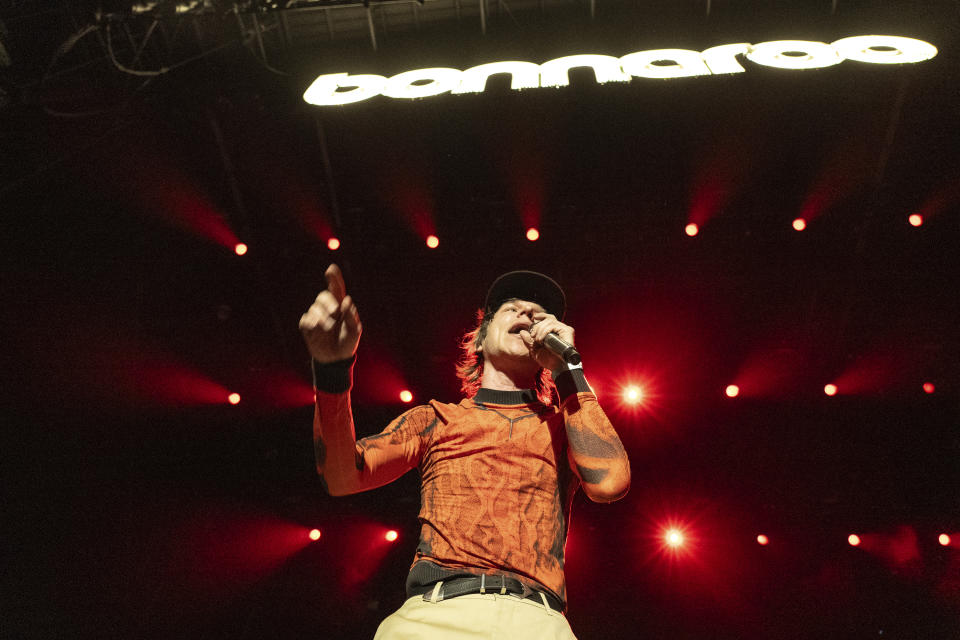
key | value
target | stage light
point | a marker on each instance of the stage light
(944, 540)
(830, 389)
(406, 396)
(763, 540)
(433, 241)
(799, 224)
(391, 535)
(854, 540)
(732, 391)
(928, 387)
(915, 220)
(315, 534)
(333, 244)
(240, 249)
(532, 234)
(633, 394)
(233, 398)
(692, 229)
(673, 538)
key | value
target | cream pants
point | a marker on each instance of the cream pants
(475, 616)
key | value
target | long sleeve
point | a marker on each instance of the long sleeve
(595, 452)
(350, 466)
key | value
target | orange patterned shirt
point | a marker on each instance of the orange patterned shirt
(498, 474)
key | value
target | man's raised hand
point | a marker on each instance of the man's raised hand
(543, 324)
(331, 326)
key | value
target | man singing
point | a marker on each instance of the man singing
(498, 470)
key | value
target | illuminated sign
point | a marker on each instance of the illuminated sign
(344, 88)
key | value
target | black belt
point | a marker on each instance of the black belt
(487, 584)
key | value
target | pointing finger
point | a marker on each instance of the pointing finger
(350, 314)
(335, 282)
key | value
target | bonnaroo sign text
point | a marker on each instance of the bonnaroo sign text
(343, 88)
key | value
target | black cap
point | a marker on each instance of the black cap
(530, 286)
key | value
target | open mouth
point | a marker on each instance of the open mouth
(518, 327)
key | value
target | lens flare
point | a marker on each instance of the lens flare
(633, 394)
(674, 538)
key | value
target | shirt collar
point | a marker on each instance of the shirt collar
(494, 396)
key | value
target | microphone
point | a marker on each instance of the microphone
(562, 348)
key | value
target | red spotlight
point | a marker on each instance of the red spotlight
(333, 244)
(692, 229)
(406, 396)
(674, 538)
(391, 535)
(830, 389)
(433, 241)
(928, 387)
(854, 540)
(733, 391)
(233, 398)
(763, 540)
(799, 224)
(944, 540)
(315, 534)
(915, 220)
(240, 249)
(633, 394)
(532, 234)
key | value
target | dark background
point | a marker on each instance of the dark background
(140, 504)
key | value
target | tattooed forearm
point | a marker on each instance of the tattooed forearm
(592, 476)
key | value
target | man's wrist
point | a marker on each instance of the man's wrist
(333, 377)
(564, 367)
(570, 380)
